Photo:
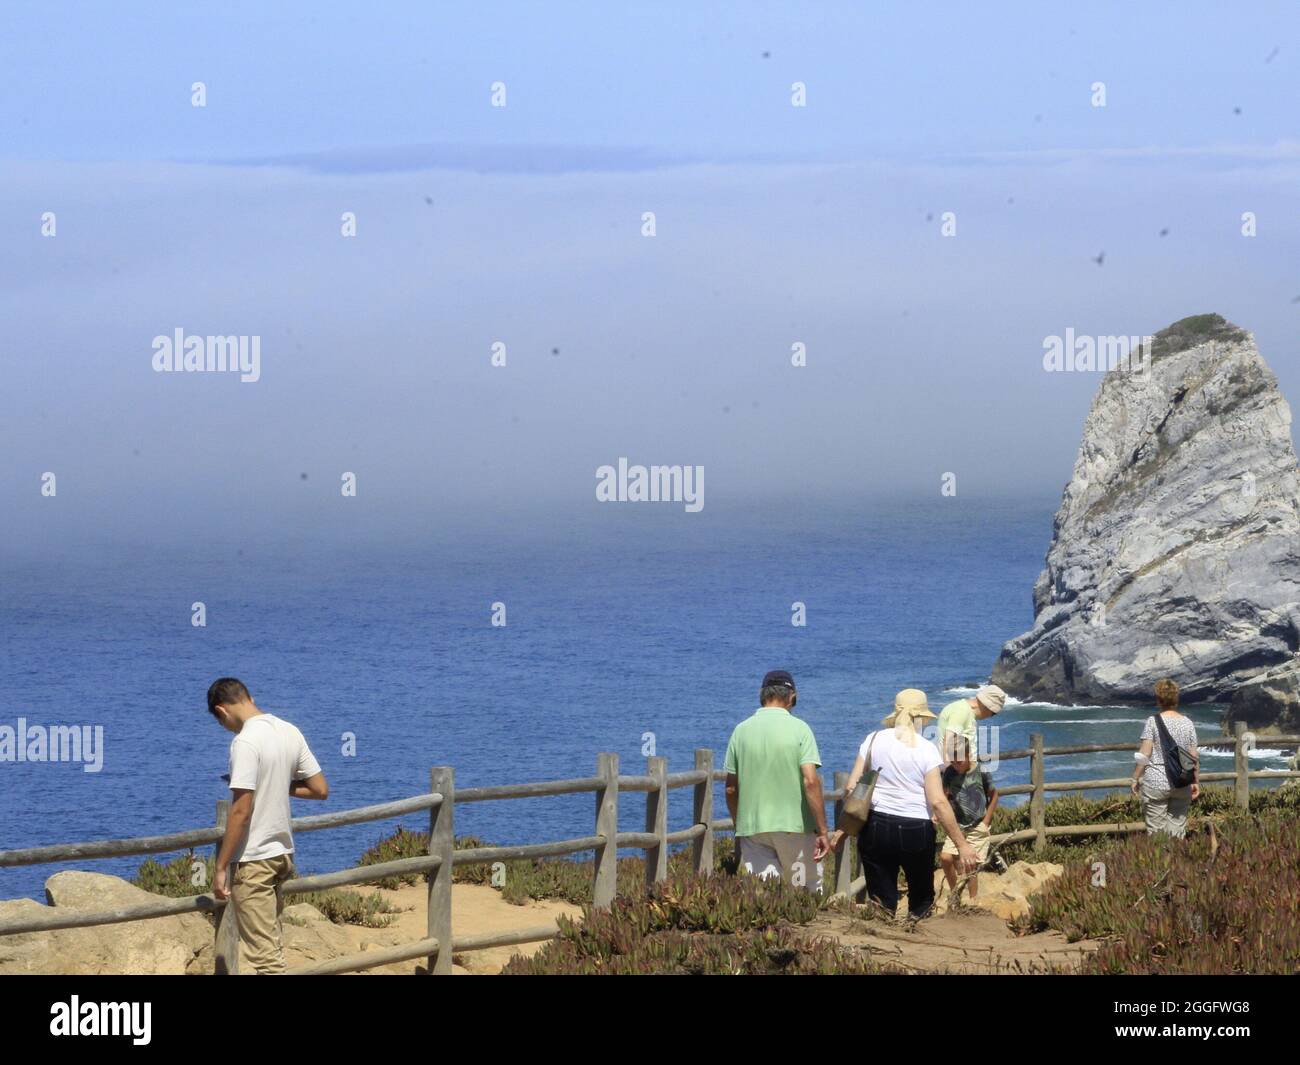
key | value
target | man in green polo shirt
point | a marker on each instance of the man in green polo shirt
(774, 792)
(958, 723)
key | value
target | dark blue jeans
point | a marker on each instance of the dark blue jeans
(888, 843)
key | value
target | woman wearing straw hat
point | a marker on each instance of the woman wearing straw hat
(907, 792)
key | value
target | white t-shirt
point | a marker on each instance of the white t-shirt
(900, 788)
(266, 756)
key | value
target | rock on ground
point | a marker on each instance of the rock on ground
(1269, 701)
(1005, 895)
(184, 943)
(164, 945)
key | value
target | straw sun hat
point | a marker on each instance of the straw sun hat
(910, 702)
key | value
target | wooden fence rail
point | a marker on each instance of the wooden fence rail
(440, 942)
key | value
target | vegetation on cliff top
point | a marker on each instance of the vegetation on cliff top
(1222, 901)
(1191, 331)
(716, 925)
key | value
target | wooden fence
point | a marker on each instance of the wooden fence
(440, 942)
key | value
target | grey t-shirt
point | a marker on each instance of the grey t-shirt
(1183, 733)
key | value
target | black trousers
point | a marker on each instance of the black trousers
(888, 843)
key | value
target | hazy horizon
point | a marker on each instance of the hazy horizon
(775, 226)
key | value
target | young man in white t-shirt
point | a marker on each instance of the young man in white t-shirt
(269, 762)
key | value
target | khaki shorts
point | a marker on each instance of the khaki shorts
(978, 838)
(787, 855)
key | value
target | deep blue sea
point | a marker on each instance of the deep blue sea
(623, 624)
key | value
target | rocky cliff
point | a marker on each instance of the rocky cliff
(1176, 548)
(1269, 702)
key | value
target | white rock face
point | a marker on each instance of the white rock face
(1176, 548)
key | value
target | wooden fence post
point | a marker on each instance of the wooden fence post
(225, 948)
(656, 821)
(1241, 759)
(703, 849)
(442, 842)
(843, 857)
(605, 886)
(1037, 812)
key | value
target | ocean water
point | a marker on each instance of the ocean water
(627, 625)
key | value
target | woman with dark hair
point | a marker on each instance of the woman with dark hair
(1165, 805)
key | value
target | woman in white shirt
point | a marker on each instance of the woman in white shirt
(900, 833)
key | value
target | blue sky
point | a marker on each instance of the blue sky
(776, 225)
(680, 79)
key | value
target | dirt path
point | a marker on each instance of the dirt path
(966, 941)
(969, 940)
(476, 910)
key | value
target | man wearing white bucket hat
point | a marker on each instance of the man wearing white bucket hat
(957, 730)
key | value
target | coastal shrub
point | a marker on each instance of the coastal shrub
(175, 878)
(349, 907)
(571, 880)
(566, 879)
(534, 878)
(561, 878)
(1214, 800)
(778, 951)
(1197, 329)
(407, 844)
(1170, 906)
(696, 925)
(401, 844)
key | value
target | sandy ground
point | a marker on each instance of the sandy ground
(476, 910)
(961, 942)
(967, 941)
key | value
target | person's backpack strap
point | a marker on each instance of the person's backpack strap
(1177, 771)
(1166, 738)
(1166, 742)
